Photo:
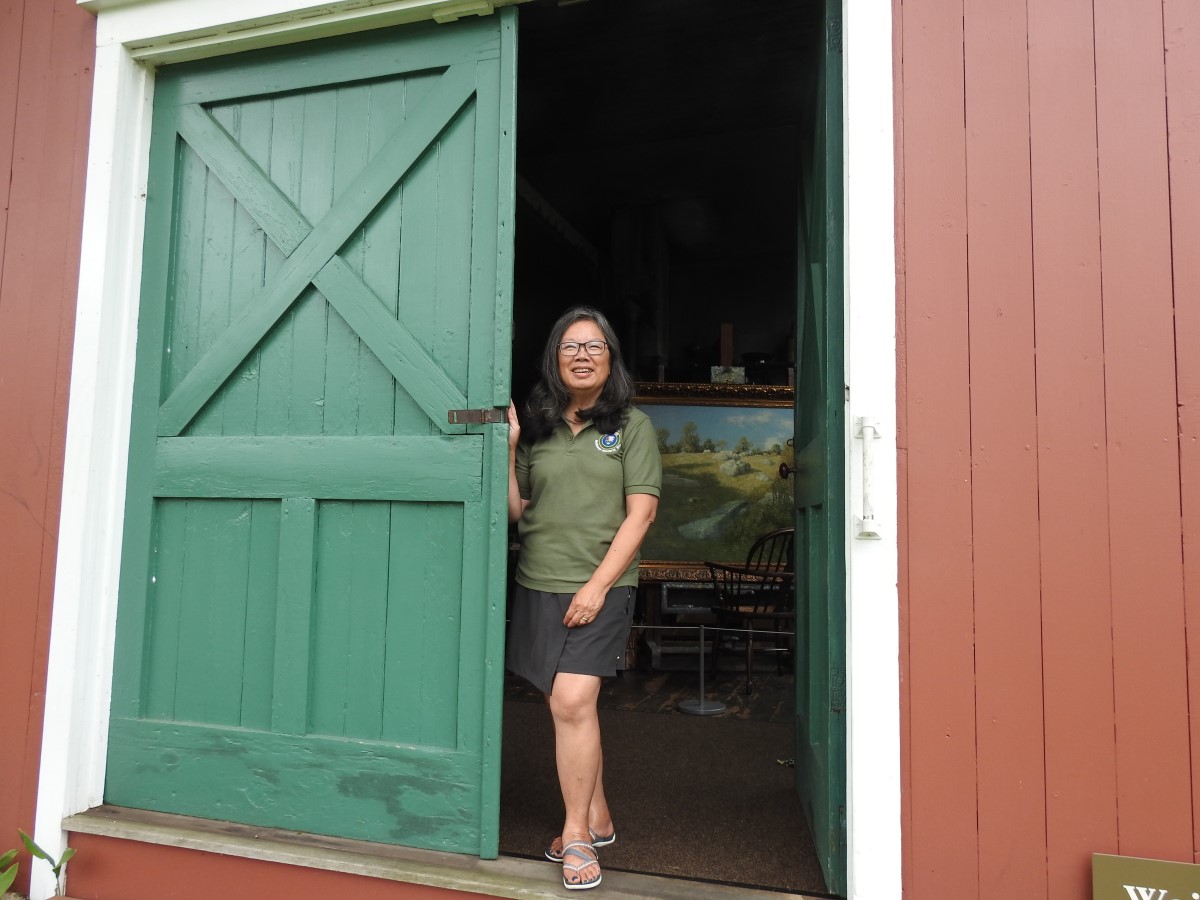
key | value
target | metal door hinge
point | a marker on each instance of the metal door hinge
(494, 415)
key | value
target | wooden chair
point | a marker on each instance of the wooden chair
(759, 595)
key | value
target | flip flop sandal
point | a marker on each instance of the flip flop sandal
(577, 849)
(597, 841)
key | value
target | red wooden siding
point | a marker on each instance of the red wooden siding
(1081, 812)
(1149, 676)
(1181, 27)
(104, 865)
(940, 695)
(1050, 305)
(46, 53)
(1004, 436)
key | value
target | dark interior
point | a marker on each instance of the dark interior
(659, 149)
(658, 158)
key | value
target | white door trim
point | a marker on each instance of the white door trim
(872, 594)
(132, 37)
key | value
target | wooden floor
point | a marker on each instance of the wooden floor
(708, 798)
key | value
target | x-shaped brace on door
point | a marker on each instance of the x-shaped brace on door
(312, 256)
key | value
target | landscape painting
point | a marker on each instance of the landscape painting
(721, 485)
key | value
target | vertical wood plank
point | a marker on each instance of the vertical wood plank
(183, 310)
(908, 855)
(506, 216)
(413, 249)
(216, 285)
(425, 596)
(1149, 672)
(475, 297)
(212, 623)
(23, 430)
(12, 13)
(1181, 28)
(343, 394)
(944, 820)
(249, 125)
(1004, 484)
(164, 603)
(368, 616)
(262, 588)
(380, 267)
(153, 370)
(293, 621)
(459, 193)
(310, 318)
(277, 353)
(350, 615)
(1081, 803)
(46, 54)
(330, 618)
(406, 628)
(444, 600)
(418, 262)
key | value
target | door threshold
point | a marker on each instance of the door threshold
(508, 876)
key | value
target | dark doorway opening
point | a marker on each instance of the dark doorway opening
(659, 151)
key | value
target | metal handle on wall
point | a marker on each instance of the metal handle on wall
(868, 430)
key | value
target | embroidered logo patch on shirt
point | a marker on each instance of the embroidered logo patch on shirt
(609, 443)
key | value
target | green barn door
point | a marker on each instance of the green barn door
(820, 480)
(310, 626)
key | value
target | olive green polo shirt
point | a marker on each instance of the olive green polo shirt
(576, 486)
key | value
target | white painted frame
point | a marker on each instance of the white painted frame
(872, 591)
(134, 36)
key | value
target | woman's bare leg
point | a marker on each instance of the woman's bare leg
(577, 750)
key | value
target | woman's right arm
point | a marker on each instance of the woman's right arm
(516, 505)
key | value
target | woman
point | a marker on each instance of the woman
(584, 479)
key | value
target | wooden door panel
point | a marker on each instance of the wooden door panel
(233, 619)
(388, 593)
(820, 479)
(369, 790)
(311, 604)
(432, 289)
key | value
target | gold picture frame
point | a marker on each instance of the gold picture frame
(722, 448)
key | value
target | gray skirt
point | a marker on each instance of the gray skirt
(540, 645)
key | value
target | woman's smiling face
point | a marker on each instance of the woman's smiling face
(582, 373)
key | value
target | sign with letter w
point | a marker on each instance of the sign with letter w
(1131, 878)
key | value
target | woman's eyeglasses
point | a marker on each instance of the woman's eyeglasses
(591, 348)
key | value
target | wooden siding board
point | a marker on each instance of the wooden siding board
(944, 823)
(104, 866)
(1004, 478)
(45, 88)
(1149, 667)
(902, 492)
(11, 16)
(1081, 813)
(1181, 29)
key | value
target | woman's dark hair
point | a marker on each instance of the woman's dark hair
(549, 398)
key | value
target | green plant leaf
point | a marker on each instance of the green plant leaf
(9, 875)
(67, 854)
(7, 858)
(34, 848)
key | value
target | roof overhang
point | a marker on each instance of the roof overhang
(162, 31)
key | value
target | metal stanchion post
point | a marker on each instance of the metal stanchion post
(701, 706)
